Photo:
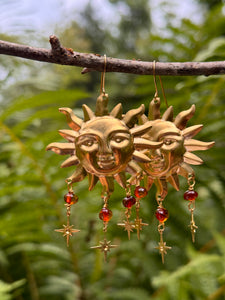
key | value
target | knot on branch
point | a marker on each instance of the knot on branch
(57, 49)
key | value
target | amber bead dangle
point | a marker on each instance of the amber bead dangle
(105, 215)
(128, 202)
(140, 192)
(190, 195)
(70, 198)
(162, 215)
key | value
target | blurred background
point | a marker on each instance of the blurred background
(35, 263)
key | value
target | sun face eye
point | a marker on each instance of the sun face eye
(120, 140)
(168, 141)
(87, 143)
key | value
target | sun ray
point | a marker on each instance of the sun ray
(185, 170)
(140, 130)
(192, 131)
(192, 159)
(133, 168)
(92, 179)
(73, 121)
(174, 181)
(168, 114)
(148, 182)
(62, 148)
(88, 113)
(107, 183)
(161, 186)
(143, 119)
(140, 143)
(183, 117)
(131, 116)
(117, 111)
(140, 157)
(78, 175)
(68, 135)
(194, 145)
(121, 179)
(71, 161)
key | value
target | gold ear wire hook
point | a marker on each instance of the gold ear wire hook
(102, 89)
(154, 77)
(155, 83)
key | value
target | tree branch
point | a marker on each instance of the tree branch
(95, 62)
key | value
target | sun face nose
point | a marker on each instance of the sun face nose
(104, 149)
(156, 154)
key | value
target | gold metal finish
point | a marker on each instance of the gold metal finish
(193, 226)
(138, 224)
(128, 226)
(67, 229)
(107, 145)
(162, 245)
(191, 207)
(105, 247)
(103, 144)
(173, 156)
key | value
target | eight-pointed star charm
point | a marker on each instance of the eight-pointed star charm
(138, 224)
(68, 232)
(127, 227)
(163, 249)
(105, 247)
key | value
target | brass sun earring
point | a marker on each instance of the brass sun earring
(103, 146)
(170, 155)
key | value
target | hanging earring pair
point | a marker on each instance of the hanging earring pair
(105, 146)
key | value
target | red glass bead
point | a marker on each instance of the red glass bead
(140, 192)
(70, 198)
(105, 214)
(129, 201)
(190, 195)
(162, 214)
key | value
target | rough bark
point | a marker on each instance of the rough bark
(95, 62)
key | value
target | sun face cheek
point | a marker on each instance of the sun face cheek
(87, 154)
(122, 151)
(174, 153)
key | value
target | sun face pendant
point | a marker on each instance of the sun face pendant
(103, 145)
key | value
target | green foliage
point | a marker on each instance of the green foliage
(34, 261)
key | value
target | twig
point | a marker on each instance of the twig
(95, 62)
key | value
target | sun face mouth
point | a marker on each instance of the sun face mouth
(158, 165)
(106, 161)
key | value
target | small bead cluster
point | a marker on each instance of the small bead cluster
(139, 192)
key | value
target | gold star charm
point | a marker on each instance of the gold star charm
(138, 225)
(105, 247)
(127, 227)
(68, 232)
(193, 230)
(163, 249)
